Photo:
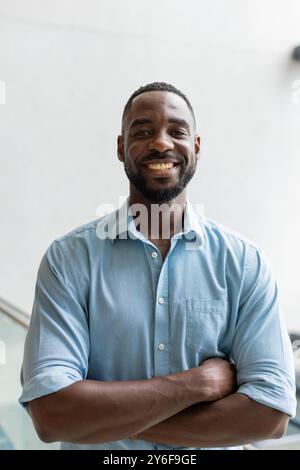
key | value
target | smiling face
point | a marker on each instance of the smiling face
(159, 145)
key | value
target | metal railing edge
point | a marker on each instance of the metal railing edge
(15, 313)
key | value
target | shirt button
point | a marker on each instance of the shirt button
(161, 346)
(160, 300)
(154, 254)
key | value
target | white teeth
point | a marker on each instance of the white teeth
(160, 166)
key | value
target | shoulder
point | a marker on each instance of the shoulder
(232, 245)
(218, 233)
(78, 245)
(239, 254)
(86, 231)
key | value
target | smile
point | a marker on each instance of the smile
(162, 169)
(160, 166)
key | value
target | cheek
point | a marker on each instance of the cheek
(134, 152)
(135, 148)
(187, 152)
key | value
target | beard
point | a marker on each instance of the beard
(159, 196)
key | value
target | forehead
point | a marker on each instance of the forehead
(159, 104)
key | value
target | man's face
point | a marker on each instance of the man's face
(159, 145)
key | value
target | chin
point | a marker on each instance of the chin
(162, 195)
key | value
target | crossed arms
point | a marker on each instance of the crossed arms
(198, 407)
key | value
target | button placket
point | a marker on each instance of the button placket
(162, 324)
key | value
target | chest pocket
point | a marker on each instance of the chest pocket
(206, 322)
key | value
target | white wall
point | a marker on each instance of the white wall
(69, 67)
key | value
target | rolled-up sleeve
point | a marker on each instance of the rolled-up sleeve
(57, 344)
(261, 348)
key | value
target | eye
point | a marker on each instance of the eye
(178, 132)
(142, 133)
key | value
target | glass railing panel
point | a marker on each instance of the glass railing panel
(16, 428)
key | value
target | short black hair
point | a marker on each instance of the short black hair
(155, 86)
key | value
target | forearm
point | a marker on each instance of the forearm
(234, 420)
(92, 411)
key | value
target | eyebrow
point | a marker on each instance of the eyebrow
(140, 121)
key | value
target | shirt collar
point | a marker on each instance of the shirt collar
(192, 223)
(121, 224)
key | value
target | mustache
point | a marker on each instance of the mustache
(163, 156)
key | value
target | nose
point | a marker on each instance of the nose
(161, 142)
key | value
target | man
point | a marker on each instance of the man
(141, 341)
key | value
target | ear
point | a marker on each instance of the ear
(197, 146)
(120, 148)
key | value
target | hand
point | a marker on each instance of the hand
(221, 377)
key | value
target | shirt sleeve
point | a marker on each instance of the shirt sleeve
(57, 344)
(261, 349)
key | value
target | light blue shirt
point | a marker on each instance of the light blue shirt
(109, 308)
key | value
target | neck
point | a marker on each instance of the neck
(158, 221)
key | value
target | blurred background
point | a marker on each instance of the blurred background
(67, 68)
